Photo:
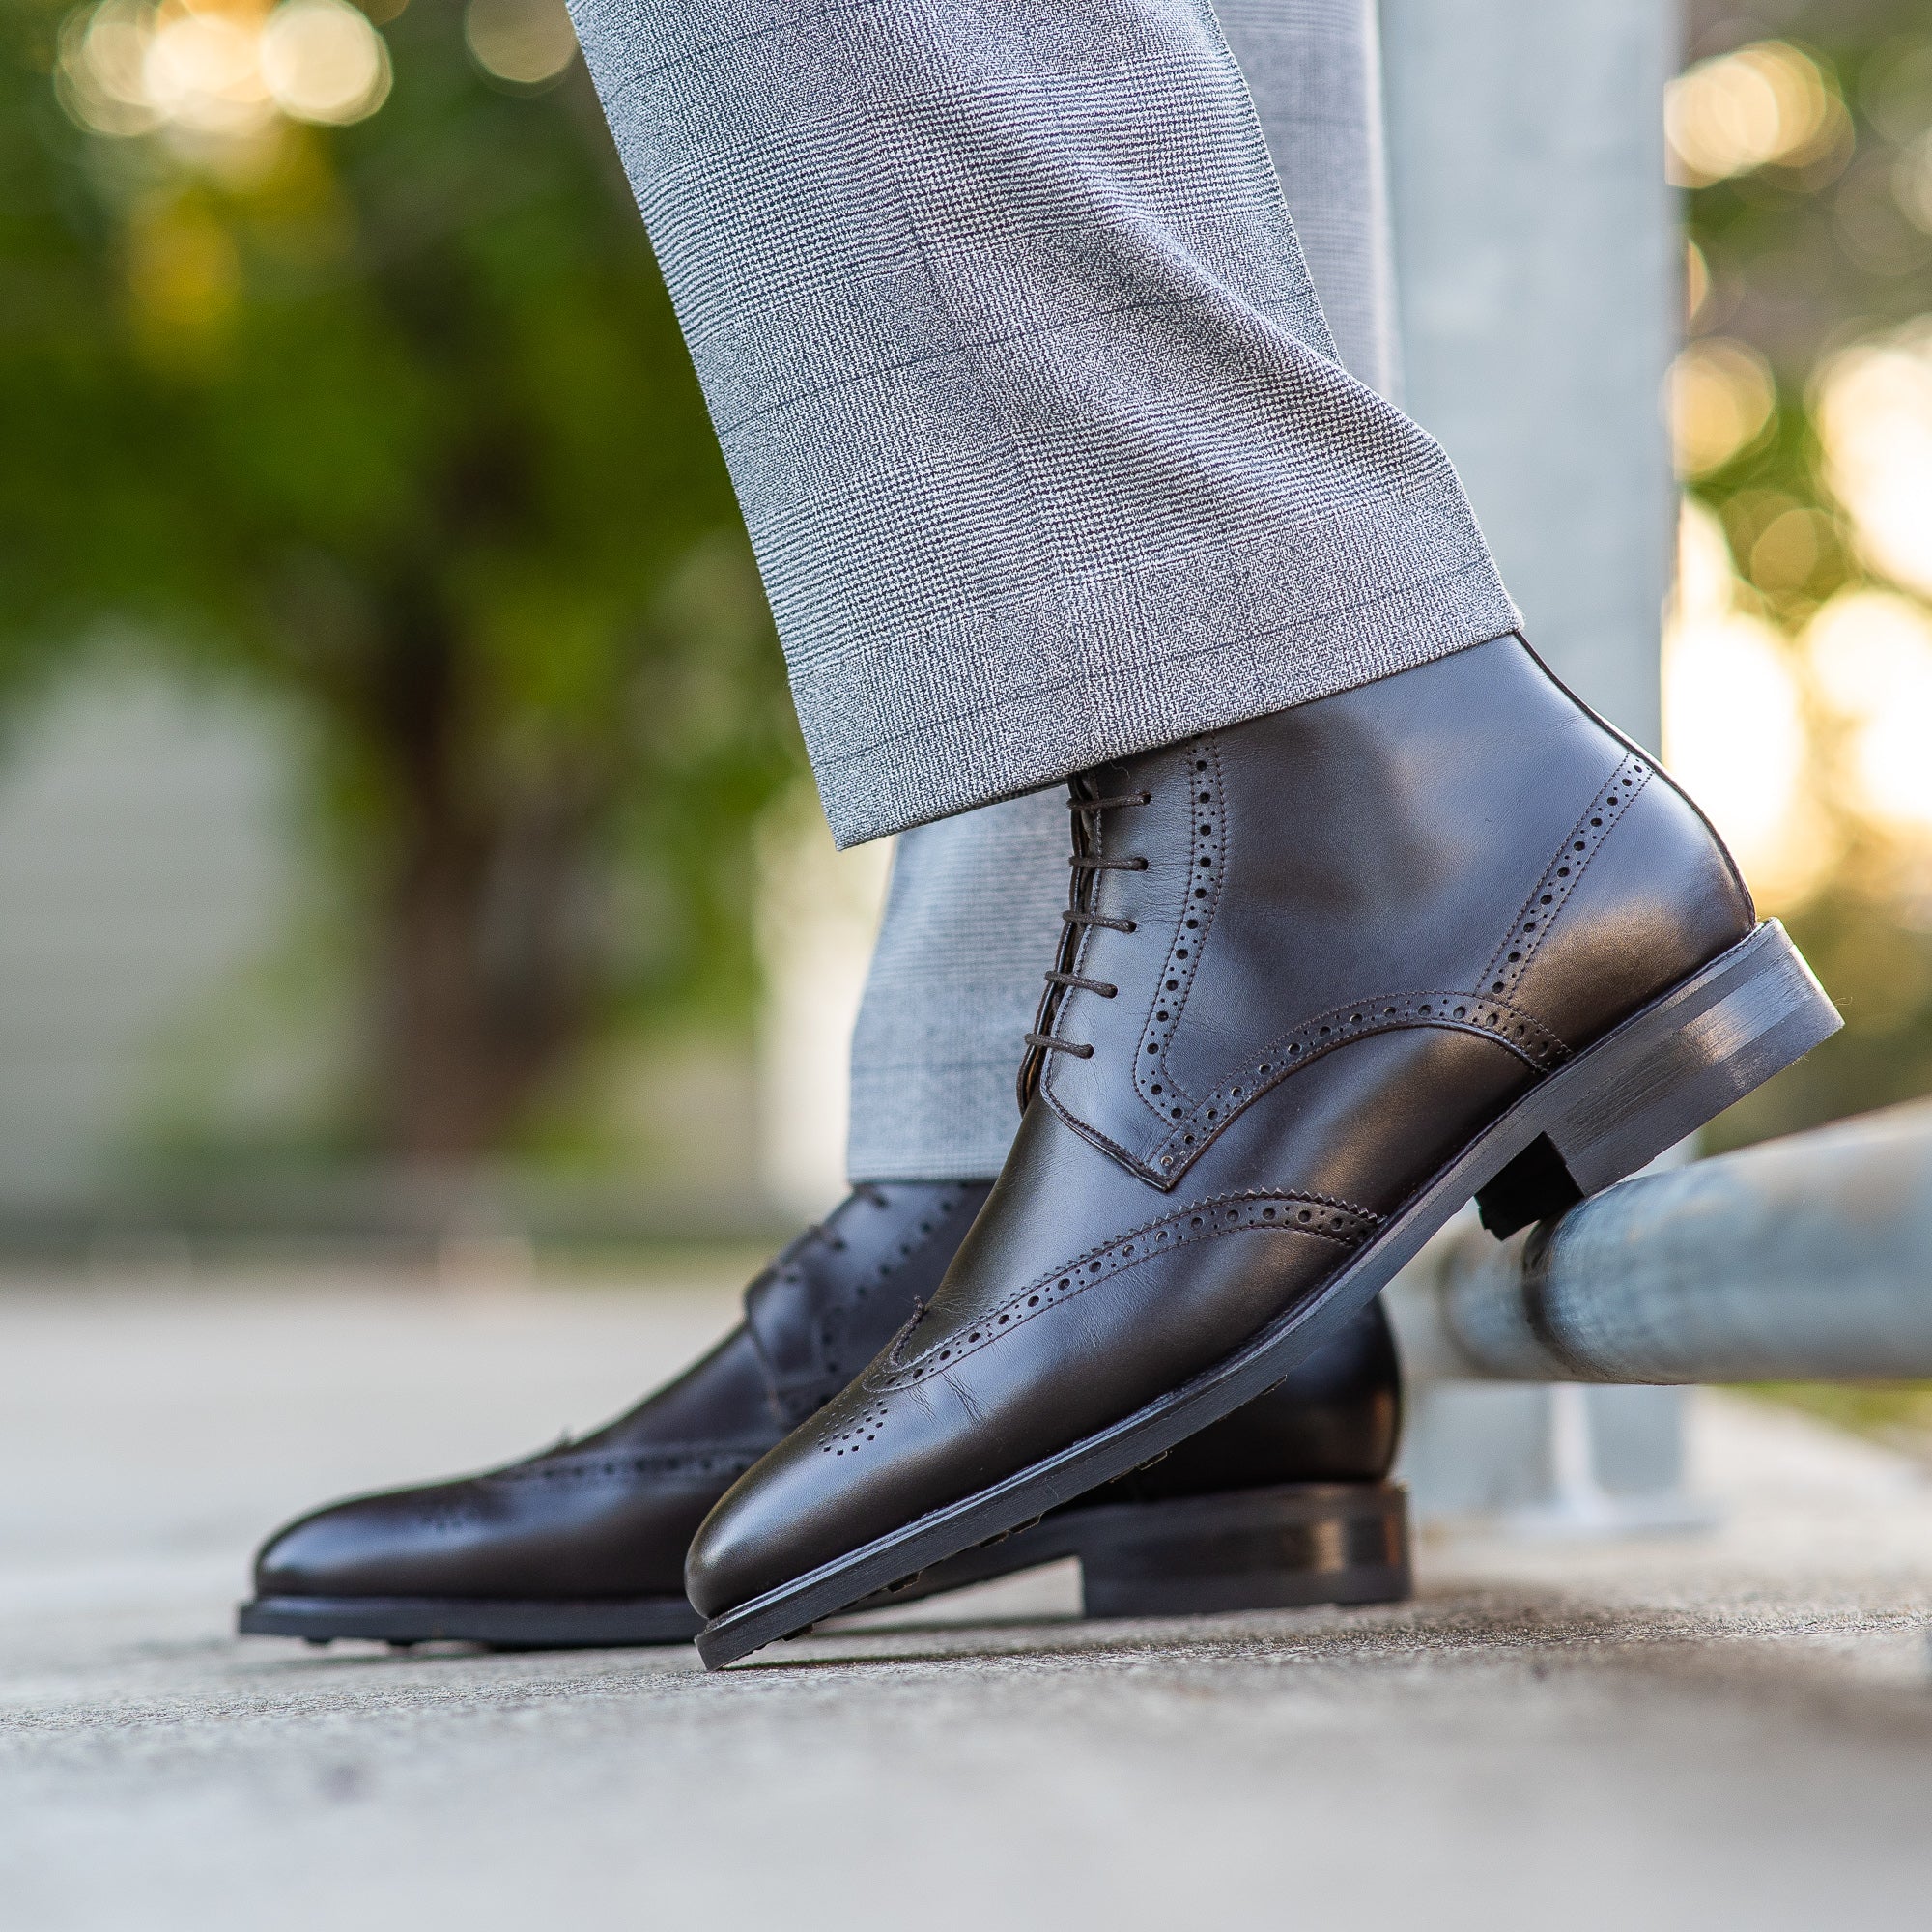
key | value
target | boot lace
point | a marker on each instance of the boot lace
(1087, 805)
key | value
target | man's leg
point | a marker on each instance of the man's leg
(1022, 379)
(1313, 70)
(1280, 1503)
(1052, 471)
(972, 915)
(972, 911)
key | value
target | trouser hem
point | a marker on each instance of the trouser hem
(945, 756)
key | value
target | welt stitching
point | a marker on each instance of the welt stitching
(1243, 1212)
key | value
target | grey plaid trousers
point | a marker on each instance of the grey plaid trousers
(1039, 427)
(973, 907)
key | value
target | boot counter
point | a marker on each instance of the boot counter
(1658, 897)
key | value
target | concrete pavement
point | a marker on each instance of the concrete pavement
(1728, 1729)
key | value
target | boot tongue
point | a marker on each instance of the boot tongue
(793, 1308)
(784, 1312)
(838, 1294)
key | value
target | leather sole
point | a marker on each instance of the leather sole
(1658, 1077)
(501, 1624)
(1249, 1550)
(1275, 1549)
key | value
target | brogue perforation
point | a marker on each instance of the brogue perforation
(1316, 1215)
(1201, 896)
(1561, 878)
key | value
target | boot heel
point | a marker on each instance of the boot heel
(1246, 1550)
(1663, 1074)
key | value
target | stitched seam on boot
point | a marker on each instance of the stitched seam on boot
(1496, 1020)
(1503, 975)
(1191, 1133)
(829, 1321)
(603, 1463)
(1336, 1221)
(1202, 750)
(1190, 1128)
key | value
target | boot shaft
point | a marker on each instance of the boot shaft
(1241, 897)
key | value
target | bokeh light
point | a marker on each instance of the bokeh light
(222, 69)
(1912, 182)
(1790, 547)
(1766, 104)
(1874, 413)
(201, 70)
(101, 73)
(524, 42)
(1734, 722)
(1895, 90)
(1697, 281)
(1719, 399)
(1869, 655)
(323, 61)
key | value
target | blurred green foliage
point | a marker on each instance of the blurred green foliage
(394, 419)
(1801, 262)
(1896, 1414)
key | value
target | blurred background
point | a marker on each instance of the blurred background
(425, 981)
(404, 835)
(395, 742)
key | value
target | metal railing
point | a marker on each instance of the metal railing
(1803, 1259)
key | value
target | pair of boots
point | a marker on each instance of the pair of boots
(1283, 1503)
(1325, 974)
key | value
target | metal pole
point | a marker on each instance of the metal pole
(1537, 283)
(1809, 1257)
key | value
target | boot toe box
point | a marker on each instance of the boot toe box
(819, 1495)
(982, 1399)
(425, 1542)
(541, 1533)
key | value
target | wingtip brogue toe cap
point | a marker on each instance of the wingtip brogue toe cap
(366, 1546)
(313, 1555)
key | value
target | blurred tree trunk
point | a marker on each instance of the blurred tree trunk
(483, 966)
(394, 419)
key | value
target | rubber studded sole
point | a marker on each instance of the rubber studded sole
(1268, 1548)
(1614, 1107)
(500, 1625)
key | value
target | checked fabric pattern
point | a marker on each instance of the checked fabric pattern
(972, 918)
(1033, 411)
